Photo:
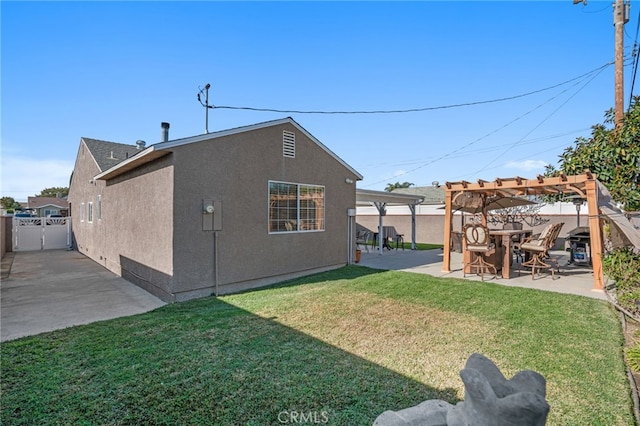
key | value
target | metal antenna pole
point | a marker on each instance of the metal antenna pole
(206, 109)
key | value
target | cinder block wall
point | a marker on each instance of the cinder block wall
(430, 228)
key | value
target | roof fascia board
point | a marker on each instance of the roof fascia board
(331, 153)
(91, 153)
(49, 205)
(222, 133)
(113, 171)
(165, 146)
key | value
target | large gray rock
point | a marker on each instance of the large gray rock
(428, 413)
(490, 399)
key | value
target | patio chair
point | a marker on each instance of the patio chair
(479, 245)
(362, 239)
(538, 249)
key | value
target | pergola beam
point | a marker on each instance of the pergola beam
(584, 185)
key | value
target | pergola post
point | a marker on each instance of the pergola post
(595, 232)
(412, 207)
(381, 212)
(448, 216)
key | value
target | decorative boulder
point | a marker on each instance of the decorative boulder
(490, 399)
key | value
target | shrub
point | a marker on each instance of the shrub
(623, 266)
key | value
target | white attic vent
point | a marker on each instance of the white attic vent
(288, 144)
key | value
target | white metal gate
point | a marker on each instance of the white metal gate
(41, 233)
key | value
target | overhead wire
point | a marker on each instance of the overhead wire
(410, 110)
(474, 152)
(494, 159)
(463, 147)
(636, 56)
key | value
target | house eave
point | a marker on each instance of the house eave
(207, 136)
(164, 148)
(146, 156)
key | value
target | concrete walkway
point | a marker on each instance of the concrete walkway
(572, 279)
(49, 290)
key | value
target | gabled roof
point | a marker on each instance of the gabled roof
(431, 194)
(163, 148)
(39, 202)
(109, 154)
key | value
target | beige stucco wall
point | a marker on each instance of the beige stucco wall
(151, 231)
(137, 216)
(236, 170)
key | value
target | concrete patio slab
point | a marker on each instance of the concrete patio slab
(54, 289)
(572, 279)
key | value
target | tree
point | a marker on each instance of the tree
(63, 191)
(391, 186)
(9, 203)
(612, 155)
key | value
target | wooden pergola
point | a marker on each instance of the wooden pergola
(584, 185)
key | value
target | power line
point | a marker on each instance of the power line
(494, 159)
(409, 110)
(635, 55)
(451, 153)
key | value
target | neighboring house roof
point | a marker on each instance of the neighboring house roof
(431, 194)
(158, 150)
(39, 202)
(108, 154)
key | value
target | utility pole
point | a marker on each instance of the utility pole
(618, 22)
(620, 17)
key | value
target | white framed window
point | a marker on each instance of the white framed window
(99, 208)
(90, 211)
(81, 212)
(295, 207)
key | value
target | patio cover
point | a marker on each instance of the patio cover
(382, 199)
(584, 185)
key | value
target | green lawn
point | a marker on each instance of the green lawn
(342, 346)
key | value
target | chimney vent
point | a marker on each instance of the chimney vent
(165, 131)
(140, 144)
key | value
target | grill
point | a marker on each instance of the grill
(580, 238)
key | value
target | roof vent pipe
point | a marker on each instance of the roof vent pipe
(140, 144)
(165, 131)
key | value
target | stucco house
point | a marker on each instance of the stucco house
(214, 213)
(45, 206)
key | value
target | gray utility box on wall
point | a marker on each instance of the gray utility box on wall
(211, 215)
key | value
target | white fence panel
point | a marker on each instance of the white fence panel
(41, 233)
(56, 233)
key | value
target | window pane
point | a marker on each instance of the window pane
(90, 212)
(312, 207)
(283, 215)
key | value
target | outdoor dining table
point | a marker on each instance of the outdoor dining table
(504, 248)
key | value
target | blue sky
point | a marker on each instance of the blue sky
(116, 70)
